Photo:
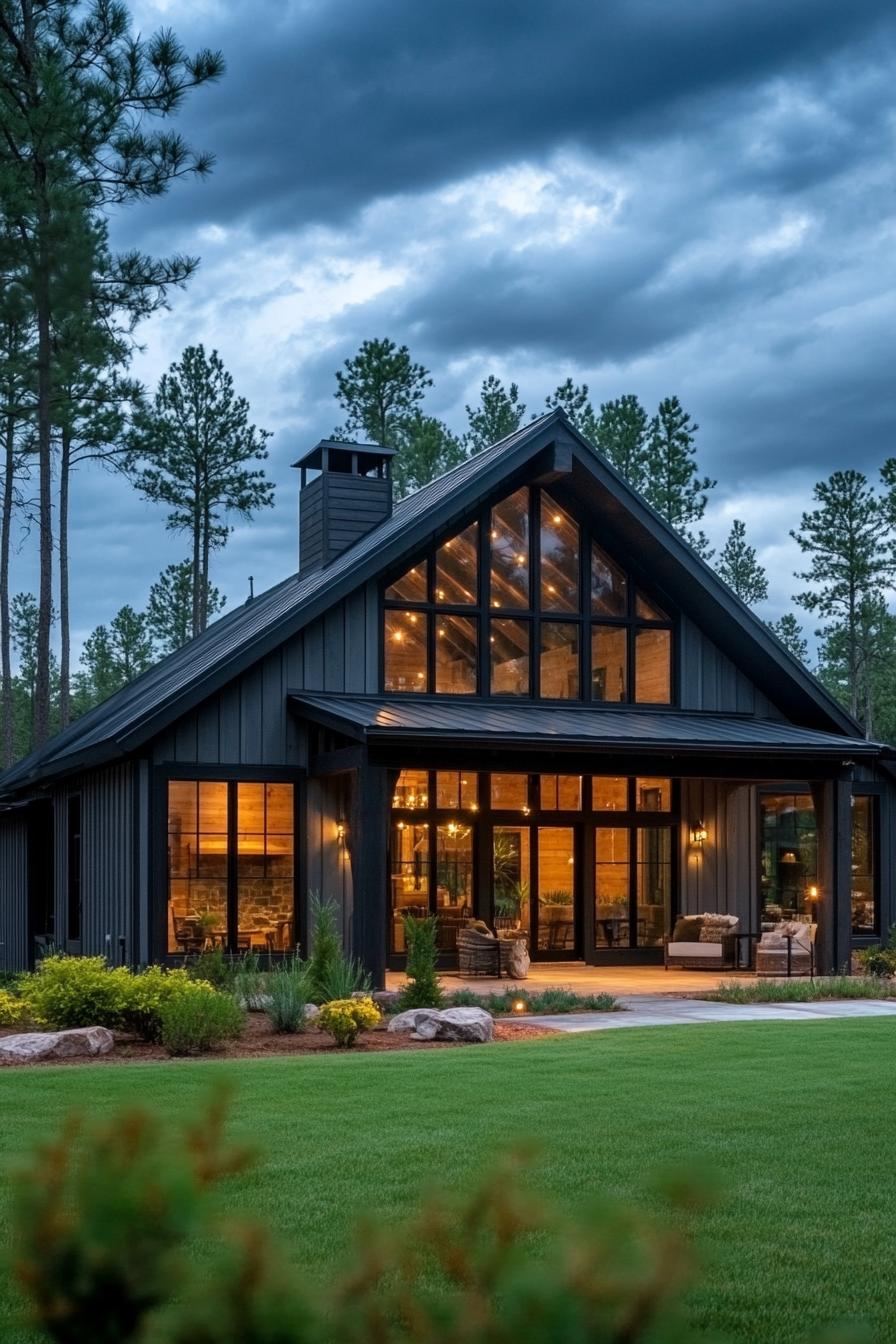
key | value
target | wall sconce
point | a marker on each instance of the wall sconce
(698, 834)
(341, 831)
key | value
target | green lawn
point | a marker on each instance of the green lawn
(799, 1120)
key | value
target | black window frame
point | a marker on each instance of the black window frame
(74, 869)
(861, 937)
(532, 615)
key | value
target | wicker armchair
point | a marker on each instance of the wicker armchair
(478, 953)
(786, 950)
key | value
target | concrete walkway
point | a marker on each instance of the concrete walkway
(649, 1011)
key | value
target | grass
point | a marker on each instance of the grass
(797, 1120)
(803, 991)
(536, 1001)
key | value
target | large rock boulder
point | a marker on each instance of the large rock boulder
(386, 1000)
(446, 1024)
(26, 1047)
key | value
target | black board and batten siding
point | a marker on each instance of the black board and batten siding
(711, 682)
(13, 892)
(108, 838)
(336, 510)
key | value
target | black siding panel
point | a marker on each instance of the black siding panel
(13, 893)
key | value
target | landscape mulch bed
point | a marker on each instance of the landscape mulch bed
(259, 1041)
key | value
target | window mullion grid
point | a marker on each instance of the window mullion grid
(232, 867)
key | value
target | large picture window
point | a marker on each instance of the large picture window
(789, 854)
(231, 866)
(557, 618)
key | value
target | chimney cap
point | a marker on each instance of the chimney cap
(313, 459)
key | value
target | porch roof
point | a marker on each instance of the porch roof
(376, 719)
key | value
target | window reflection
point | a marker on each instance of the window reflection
(457, 566)
(197, 864)
(509, 543)
(265, 867)
(510, 791)
(457, 650)
(612, 871)
(789, 840)
(865, 907)
(409, 877)
(609, 663)
(560, 793)
(559, 558)
(454, 881)
(509, 656)
(654, 884)
(405, 651)
(559, 669)
(609, 589)
(645, 610)
(457, 788)
(412, 789)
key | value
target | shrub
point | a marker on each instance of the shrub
(145, 995)
(76, 992)
(559, 1000)
(344, 1018)
(342, 979)
(286, 992)
(464, 998)
(199, 1021)
(802, 991)
(249, 981)
(326, 947)
(13, 1010)
(423, 989)
(214, 967)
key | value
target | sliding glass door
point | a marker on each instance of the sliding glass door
(632, 886)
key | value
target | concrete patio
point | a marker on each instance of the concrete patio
(643, 981)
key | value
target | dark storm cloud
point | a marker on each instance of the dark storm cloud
(328, 106)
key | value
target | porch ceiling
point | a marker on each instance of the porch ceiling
(376, 719)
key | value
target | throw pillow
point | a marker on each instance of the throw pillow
(687, 929)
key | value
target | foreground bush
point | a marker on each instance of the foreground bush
(423, 989)
(343, 1019)
(488, 1264)
(194, 1023)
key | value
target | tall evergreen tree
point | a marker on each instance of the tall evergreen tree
(499, 413)
(426, 449)
(876, 645)
(623, 433)
(169, 613)
(16, 403)
(673, 486)
(378, 388)
(25, 630)
(788, 629)
(112, 656)
(850, 563)
(196, 451)
(76, 92)
(572, 398)
(740, 568)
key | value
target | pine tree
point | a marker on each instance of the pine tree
(16, 404)
(169, 612)
(195, 450)
(622, 436)
(740, 568)
(76, 91)
(25, 632)
(788, 629)
(113, 656)
(877, 653)
(378, 388)
(426, 449)
(499, 413)
(845, 537)
(572, 399)
(672, 485)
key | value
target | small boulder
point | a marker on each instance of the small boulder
(448, 1024)
(386, 1000)
(26, 1047)
(518, 960)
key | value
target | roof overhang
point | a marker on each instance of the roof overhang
(377, 720)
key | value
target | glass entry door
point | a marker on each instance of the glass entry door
(535, 887)
(632, 886)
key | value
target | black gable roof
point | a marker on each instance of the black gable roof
(172, 687)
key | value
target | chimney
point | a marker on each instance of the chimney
(345, 492)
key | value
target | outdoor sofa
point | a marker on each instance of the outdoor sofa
(705, 942)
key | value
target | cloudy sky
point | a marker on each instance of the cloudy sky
(691, 197)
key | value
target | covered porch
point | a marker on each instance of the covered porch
(587, 830)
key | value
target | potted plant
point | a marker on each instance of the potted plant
(510, 898)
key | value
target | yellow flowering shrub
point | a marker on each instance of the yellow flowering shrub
(344, 1018)
(13, 1011)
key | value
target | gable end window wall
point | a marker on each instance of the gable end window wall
(525, 602)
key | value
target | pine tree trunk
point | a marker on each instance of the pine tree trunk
(197, 562)
(45, 501)
(5, 633)
(64, 631)
(203, 588)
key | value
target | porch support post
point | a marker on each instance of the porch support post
(369, 848)
(833, 807)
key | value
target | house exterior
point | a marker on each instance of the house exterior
(516, 695)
